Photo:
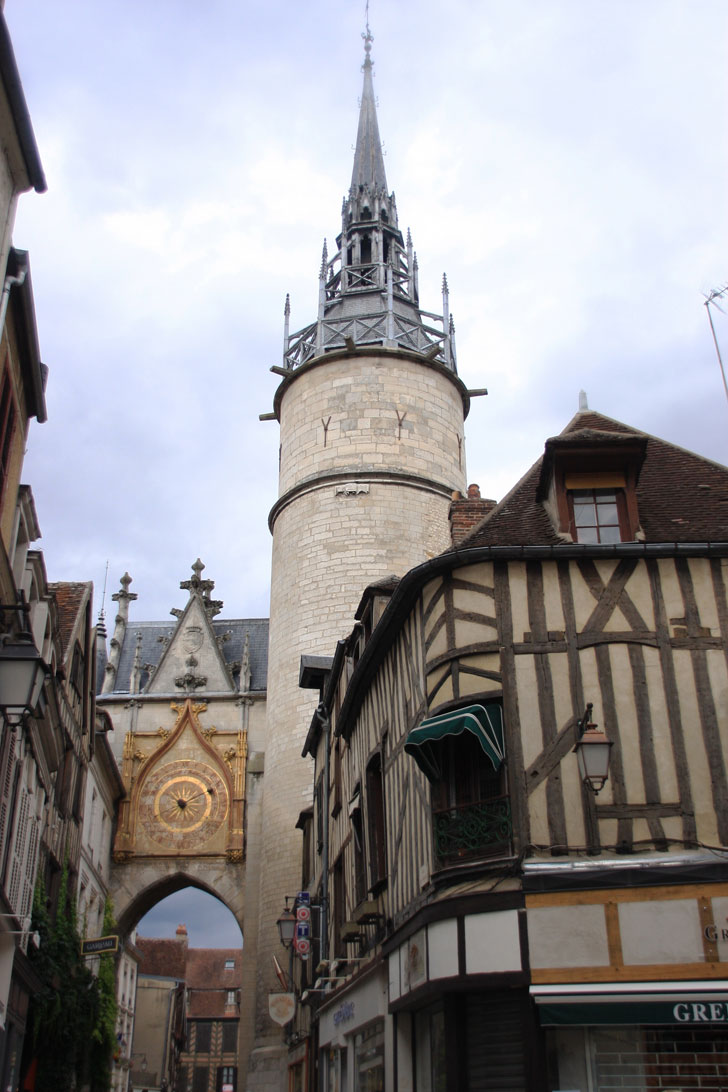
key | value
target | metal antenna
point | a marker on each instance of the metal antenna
(102, 616)
(717, 294)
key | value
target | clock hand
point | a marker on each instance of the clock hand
(179, 803)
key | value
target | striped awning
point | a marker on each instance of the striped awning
(485, 722)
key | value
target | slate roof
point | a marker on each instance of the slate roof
(69, 597)
(152, 647)
(681, 496)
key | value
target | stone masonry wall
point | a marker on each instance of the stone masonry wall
(343, 415)
(328, 544)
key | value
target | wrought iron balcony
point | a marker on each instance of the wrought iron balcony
(473, 830)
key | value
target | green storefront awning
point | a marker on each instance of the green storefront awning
(485, 722)
(702, 1002)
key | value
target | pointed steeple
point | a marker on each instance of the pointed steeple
(368, 292)
(368, 159)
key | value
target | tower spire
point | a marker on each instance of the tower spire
(368, 291)
(368, 158)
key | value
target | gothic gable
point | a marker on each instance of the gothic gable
(192, 661)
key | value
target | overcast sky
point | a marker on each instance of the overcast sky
(564, 161)
(209, 923)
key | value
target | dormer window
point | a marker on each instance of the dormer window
(588, 485)
(597, 507)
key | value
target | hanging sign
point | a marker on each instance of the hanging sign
(99, 944)
(281, 1007)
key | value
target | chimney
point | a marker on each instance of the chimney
(466, 512)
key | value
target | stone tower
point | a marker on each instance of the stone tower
(371, 415)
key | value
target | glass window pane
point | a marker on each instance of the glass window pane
(609, 534)
(587, 534)
(607, 513)
(584, 513)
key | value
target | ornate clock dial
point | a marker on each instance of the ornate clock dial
(183, 804)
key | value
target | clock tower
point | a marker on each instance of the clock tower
(186, 700)
(371, 413)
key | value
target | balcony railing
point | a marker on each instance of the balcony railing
(473, 830)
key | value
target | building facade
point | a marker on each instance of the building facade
(493, 921)
(188, 1016)
(160, 1027)
(214, 980)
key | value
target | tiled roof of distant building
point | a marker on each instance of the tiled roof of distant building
(209, 983)
(69, 597)
(681, 496)
(166, 957)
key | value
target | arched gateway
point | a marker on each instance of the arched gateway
(186, 704)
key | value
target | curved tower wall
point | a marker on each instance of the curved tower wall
(368, 499)
(372, 411)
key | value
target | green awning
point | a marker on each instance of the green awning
(485, 722)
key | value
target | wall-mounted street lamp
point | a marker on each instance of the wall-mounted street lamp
(287, 925)
(22, 671)
(593, 751)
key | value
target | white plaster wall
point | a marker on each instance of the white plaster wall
(568, 936)
(492, 942)
(442, 944)
(664, 932)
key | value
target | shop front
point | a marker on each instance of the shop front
(353, 1037)
(635, 1035)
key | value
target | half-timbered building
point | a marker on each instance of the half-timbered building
(491, 919)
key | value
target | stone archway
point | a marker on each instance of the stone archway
(138, 885)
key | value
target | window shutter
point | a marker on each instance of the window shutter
(17, 868)
(7, 769)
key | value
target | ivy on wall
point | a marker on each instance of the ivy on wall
(73, 1015)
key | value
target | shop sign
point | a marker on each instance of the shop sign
(687, 1011)
(281, 1007)
(344, 1012)
(99, 944)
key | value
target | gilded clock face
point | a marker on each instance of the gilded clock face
(183, 804)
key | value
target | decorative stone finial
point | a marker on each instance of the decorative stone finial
(368, 39)
(196, 585)
(124, 593)
(583, 404)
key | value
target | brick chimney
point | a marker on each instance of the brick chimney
(466, 512)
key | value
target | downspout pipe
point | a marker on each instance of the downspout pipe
(325, 721)
(10, 283)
